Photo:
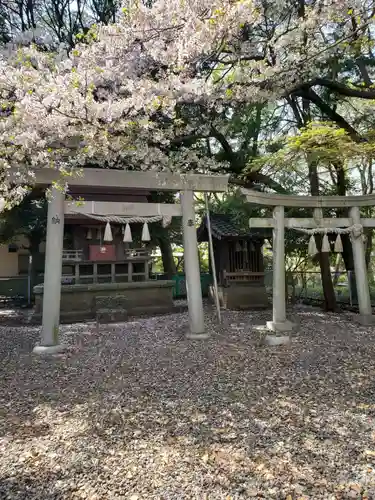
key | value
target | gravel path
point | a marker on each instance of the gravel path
(135, 411)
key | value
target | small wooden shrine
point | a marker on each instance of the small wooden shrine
(238, 261)
(105, 273)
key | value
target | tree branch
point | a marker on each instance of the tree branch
(223, 142)
(339, 88)
(313, 97)
(188, 139)
(258, 178)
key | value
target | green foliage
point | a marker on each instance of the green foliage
(233, 204)
(173, 232)
(320, 143)
(29, 219)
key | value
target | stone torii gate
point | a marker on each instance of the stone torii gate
(112, 179)
(353, 224)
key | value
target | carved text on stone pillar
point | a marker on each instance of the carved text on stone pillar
(56, 219)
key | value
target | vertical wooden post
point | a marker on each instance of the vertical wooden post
(95, 273)
(76, 274)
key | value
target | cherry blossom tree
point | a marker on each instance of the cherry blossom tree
(137, 93)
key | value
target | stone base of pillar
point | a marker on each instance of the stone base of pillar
(49, 349)
(197, 336)
(282, 326)
(365, 319)
(274, 340)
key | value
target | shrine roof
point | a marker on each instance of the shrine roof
(224, 227)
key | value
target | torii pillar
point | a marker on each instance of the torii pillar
(279, 322)
(360, 269)
(192, 270)
(52, 275)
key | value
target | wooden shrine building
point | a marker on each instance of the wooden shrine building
(238, 261)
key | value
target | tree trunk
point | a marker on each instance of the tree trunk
(303, 117)
(325, 267)
(169, 265)
(325, 272)
(347, 256)
(347, 253)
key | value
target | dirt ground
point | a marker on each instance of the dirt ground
(136, 411)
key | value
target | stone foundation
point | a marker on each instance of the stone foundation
(243, 296)
(106, 302)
